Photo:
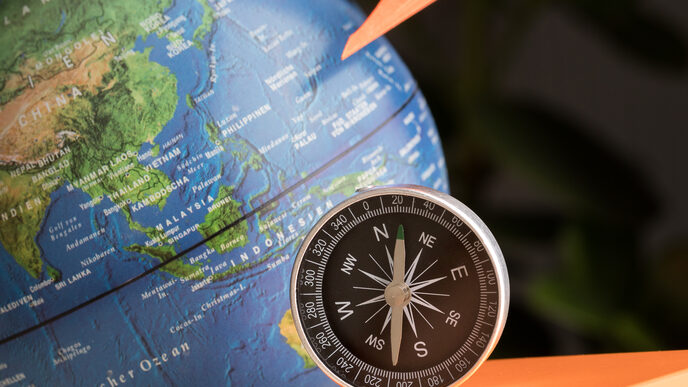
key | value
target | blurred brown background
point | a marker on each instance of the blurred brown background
(564, 127)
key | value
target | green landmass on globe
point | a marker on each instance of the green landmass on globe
(95, 115)
(160, 164)
(101, 111)
(288, 331)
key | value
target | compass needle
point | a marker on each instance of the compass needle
(397, 321)
(385, 321)
(399, 256)
(397, 293)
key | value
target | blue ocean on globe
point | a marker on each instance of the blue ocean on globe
(160, 165)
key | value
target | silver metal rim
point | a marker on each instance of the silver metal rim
(454, 206)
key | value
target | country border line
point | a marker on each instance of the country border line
(226, 228)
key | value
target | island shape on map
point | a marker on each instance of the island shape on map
(75, 112)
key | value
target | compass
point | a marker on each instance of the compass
(399, 286)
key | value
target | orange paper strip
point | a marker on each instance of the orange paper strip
(386, 15)
(665, 368)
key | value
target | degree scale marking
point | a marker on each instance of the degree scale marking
(389, 211)
(423, 214)
(248, 215)
(437, 218)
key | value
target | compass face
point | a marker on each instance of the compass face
(399, 286)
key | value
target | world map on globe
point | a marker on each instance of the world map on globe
(160, 162)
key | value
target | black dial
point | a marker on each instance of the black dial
(399, 286)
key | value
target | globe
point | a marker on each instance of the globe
(160, 162)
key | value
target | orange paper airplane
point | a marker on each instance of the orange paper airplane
(386, 15)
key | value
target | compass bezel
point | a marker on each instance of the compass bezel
(453, 206)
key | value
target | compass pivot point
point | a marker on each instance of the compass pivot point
(397, 294)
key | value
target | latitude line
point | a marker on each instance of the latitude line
(231, 225)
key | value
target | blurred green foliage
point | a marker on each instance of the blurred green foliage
(595, 291)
